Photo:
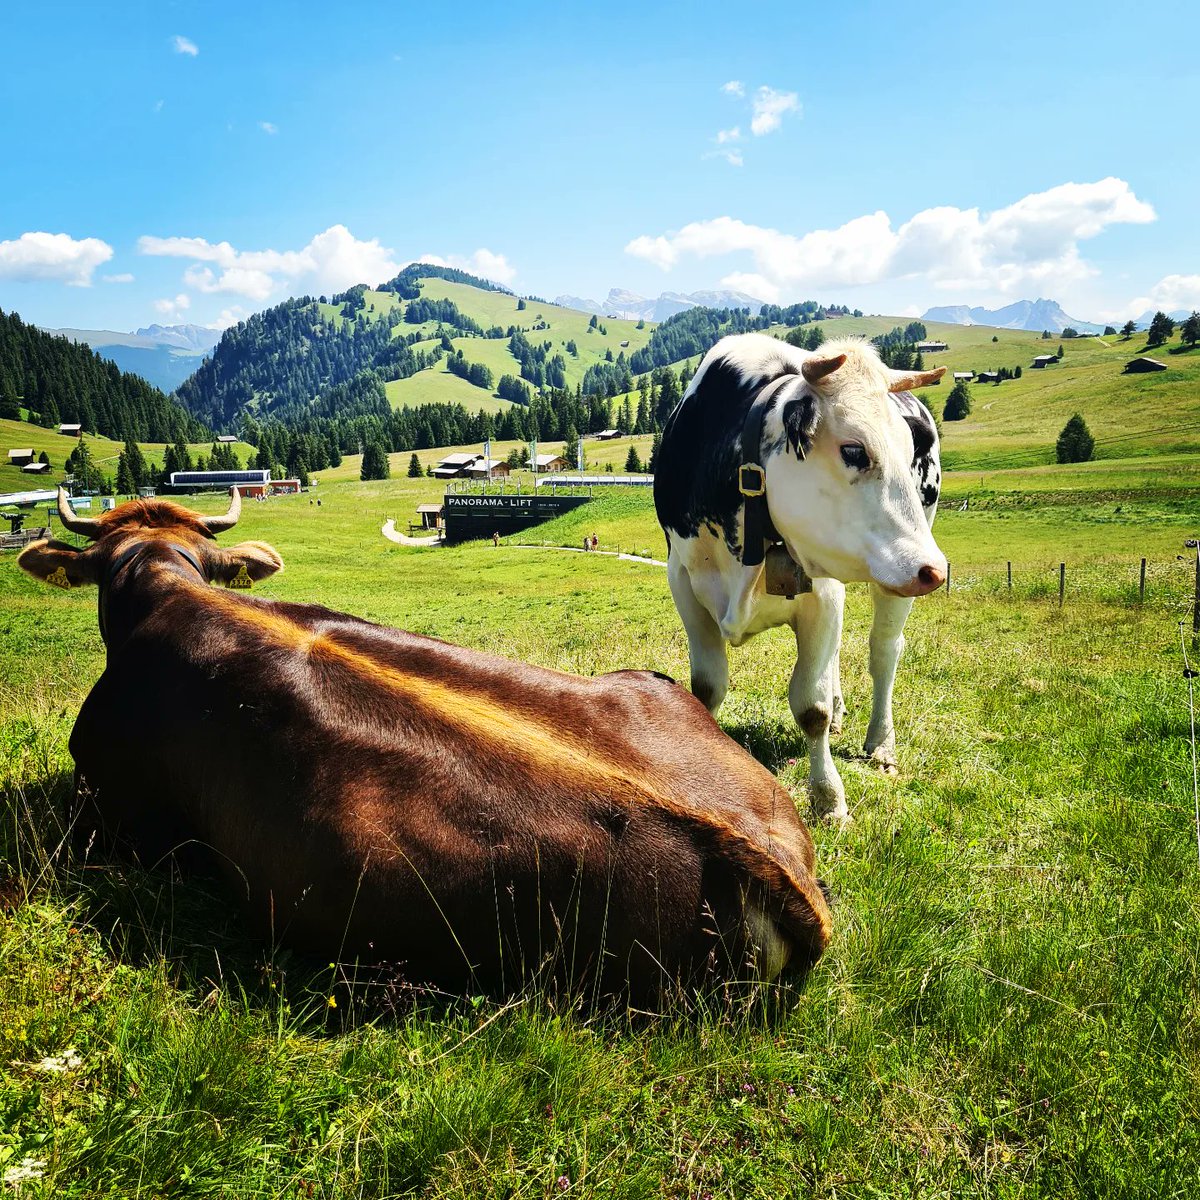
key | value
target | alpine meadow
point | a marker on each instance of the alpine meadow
(371, 347)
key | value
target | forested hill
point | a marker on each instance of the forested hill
(276, 362)
(56, 380)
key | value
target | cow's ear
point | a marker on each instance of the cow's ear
(799, 417)
(245, 563)
(58, 564)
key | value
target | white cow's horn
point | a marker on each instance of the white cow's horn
(906, 381)
(87, 527)
(229, 520)
(815, 369)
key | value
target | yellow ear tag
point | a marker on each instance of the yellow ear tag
(58, 578)
(241, 580)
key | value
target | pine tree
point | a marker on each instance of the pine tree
(633, 464)
(1161, 328)
(655, 447)
(1189, 331)
(1075, 443)
(125, 483)
(414, 467)
(1128, 330)
(375, 462)
(958, 403)
(571, 447)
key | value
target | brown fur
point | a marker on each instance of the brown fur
(380, 795)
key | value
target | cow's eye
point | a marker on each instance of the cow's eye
(855, 456)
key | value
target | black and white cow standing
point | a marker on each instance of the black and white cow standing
(841, 470)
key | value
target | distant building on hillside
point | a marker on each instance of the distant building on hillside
(931, 347)
(1137, 366)
(550, 462)
(19, 457)
(965, 376)
(488, 468)
(988, 377)
(36, 468)
(226, 438)
(250, 482)
(70, 430)
(454, 466)
(607, 435)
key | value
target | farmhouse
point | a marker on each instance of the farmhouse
(607, 435)
(251, 482)
(71, 430)
(18, 458)
(36, 468)
(488, 468)
(454, 466)
(963, 375)
(549, 462)
(1044, 360)
(1137, 366)
(931, 347)
(989, 377)
(226, 438)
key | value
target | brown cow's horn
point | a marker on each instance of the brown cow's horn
(906, 381)
(87, 527)
(229, 520)
(815, 369)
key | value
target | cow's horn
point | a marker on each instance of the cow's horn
(229, 520)
(815, 369)
(906, 381)
(87, 527)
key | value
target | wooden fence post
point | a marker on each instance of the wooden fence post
(1142, 584)
(1062, 582)
(948, 576)
(1196, 602)
(1010, 576)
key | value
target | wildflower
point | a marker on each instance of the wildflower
(60, 1064)
(747, 1087)
(27, 1168)
(563, 1183)
(332, 1002)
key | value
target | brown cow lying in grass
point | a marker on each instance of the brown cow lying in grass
(376, 795)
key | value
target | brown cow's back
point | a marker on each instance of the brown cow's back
(388, 796)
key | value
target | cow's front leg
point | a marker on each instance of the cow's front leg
(887, 644)
(707, 654)
(818, 628)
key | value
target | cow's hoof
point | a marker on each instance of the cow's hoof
(829, 803)
(883, 759)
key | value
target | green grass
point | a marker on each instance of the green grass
(1008, 1008)
(19, 434)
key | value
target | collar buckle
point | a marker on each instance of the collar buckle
(752, 480)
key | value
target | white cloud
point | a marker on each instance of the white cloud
(173, 307)
(734, 87)
(728, 135)
(229, 316)
(769, 109)
(483, 262)
(268, 127)
(52, 256)
(183, 45)
(123, 277)
(1033, 242)
(158, 105)
(331, 262)
(1169, 294)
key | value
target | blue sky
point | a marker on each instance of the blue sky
(198, 161)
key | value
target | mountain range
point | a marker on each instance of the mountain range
(164, 355)
(1033, 315)
(629, 306)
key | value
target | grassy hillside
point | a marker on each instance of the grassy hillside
(1016, 422)
(1007, 1008)
(16, 434)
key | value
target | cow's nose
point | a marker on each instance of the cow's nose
(929, 579)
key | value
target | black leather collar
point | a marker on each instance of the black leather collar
(758, 531)
(125, 559)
